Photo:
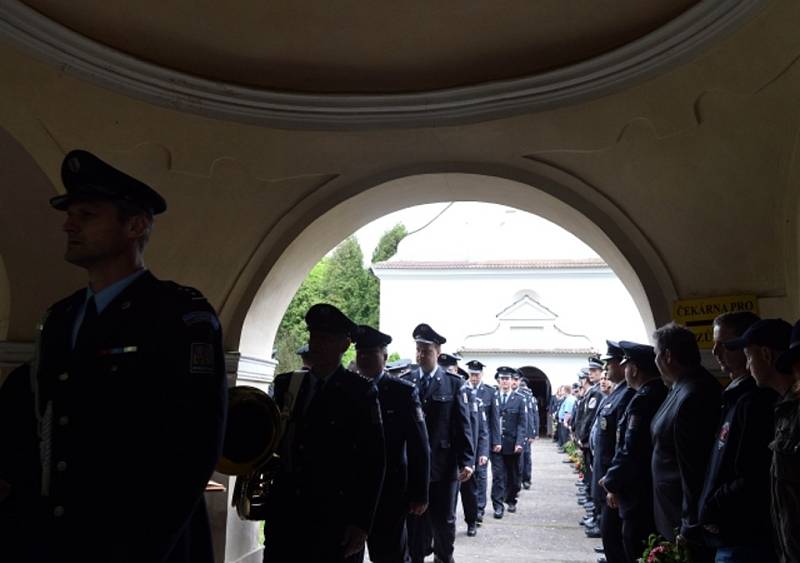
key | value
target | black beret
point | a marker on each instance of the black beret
(475, 366)
(614, 352)
(86, 177)
(790, 356)
(505, 371)
(643, 355)
(775, 333)
(367, 337)
(327, 318)
(425, 334)
(448, 360)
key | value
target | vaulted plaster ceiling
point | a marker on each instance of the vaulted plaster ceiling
(365, 47)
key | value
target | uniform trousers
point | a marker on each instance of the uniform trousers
(469, 500)
(388, 541)
(437, 525)
(505, 479)
(481, 476)
(611, 532)
(636, 528)
(526, 467)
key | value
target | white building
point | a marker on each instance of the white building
(507, 288)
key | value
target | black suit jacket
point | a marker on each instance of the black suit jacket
(407, 449)
(513, 421)
(628, 475)
(488, 397)
(337, 458)
(446, 408)
(683, 432)
(132, 422)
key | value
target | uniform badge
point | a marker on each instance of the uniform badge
(201, 358)
(592, 403)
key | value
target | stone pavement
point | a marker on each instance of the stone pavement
(545, 527)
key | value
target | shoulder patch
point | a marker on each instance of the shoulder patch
(201, 359)
(592, 403)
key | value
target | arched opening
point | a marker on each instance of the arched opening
(628, 253)
(539, 384)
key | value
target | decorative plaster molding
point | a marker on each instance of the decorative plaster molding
(673, 43)
(13, 354)
(249, 369)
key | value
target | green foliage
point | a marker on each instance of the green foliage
(387, 246)
(341, 280)
(393, 357)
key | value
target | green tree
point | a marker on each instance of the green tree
(341, 280)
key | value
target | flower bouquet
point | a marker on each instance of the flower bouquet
(659, 550)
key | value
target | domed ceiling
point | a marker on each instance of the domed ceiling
(353, 46)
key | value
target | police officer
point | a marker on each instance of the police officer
(129, 373)
(611, 411)
(628, 480)
(480, 437)
(405, 486)
(526, 468)
(491, 417)
(447, 418)
(589, 407)
(332, 452)
(513, 431)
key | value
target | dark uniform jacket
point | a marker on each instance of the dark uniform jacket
(19, 464)
(736, 492)
(786, 477)
(488, 397)
(513, 421)
(406, 438)
(446, 409)
(629, 473)
(333, 452)
(479, 429)
(608, 417)
(683, 432)
(589, 407)
(132, 423)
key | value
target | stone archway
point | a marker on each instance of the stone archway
(563, 200)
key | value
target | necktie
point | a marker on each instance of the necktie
(88, 325)
(505, 398)
(313, 392)
(424, 383)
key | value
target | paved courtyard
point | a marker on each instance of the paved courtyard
(544, 528)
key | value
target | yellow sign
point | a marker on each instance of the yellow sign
(698, 314)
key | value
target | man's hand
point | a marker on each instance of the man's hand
(612, 501)
(497, 448)
(517, 449)
(483, 460)
(353, 540)
(602, 483)
(465, 474)
(417, 508)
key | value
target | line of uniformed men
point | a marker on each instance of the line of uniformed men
(673, 453)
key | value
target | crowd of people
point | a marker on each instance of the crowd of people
(108, 437)
(666, 450)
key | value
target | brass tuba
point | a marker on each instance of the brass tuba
(252, 436)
